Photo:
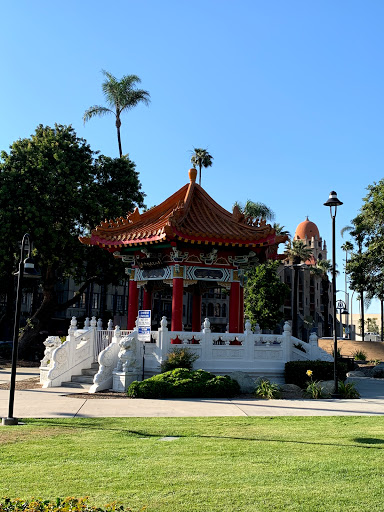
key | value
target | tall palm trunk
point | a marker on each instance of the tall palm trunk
(294, 305)
(118, 124)
(362, 315)
(200, 173)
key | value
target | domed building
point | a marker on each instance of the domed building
(314, 294)
(309, 233)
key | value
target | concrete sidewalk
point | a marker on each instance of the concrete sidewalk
(58, 403)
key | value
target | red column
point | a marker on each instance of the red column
(234, 306)
(241, 310)
(177, 304)
(196, 312)
(133, 304)
(147, 300)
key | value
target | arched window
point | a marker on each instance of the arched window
(204, 309)
(224, 310)
(210, 309)
(217, 309)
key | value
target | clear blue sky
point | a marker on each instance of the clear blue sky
(286, 95)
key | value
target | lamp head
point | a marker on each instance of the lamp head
(333, 200)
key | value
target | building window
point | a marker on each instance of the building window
(217, 309)
(121, 303)
(210, 309)
(95, 300)
(204, 309)
(224, 310)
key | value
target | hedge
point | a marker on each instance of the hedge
(295, 371)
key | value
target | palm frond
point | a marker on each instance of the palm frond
(96, 110)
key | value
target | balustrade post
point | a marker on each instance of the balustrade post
(163, 338)
(249, 342)
(93, 336)
(110, 325)
(313, 345)
(287, 342)
(99, 324)
(87, 324)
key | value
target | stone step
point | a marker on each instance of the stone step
(78, 385)
(95, 366)
(88, 379)
(90, 371)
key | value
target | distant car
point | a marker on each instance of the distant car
(371, 336)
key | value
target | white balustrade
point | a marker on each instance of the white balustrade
(252, 352)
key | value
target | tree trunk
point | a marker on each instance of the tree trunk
(325, 301)
(200, 174)
(118, 124)
(382, 319)
(294, 305)
(362, 315)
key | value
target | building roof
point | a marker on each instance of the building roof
(306, 229)
(190, 215)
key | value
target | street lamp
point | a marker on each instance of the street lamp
(27, 269)
(333, 202)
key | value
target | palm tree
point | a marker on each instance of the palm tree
(357, 231)
(279, 229)
(322, 269)
(298, 252)
(256, 210)
(201, 158)
(121, 95)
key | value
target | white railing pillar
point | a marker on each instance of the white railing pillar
(163, 338)
(249, 342)
(99, 324)
(287, 342)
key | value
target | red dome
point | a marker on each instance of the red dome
(307, 229)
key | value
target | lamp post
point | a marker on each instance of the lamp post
(333, 202)
(27, 268)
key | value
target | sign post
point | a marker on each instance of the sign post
(144, 331)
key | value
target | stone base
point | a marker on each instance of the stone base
(122, 380)
(9, 421)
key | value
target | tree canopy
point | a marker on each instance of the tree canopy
(52, 187)
(264, 295)
(201, 158)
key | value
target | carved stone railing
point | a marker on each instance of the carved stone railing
(63, 360)
(121, 358)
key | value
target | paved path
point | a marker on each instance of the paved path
(57, 403)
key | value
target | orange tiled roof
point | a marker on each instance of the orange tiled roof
(190, 214)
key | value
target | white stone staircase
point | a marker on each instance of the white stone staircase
(83, 381)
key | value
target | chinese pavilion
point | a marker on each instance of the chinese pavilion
(187, 242)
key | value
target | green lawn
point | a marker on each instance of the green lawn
(216, 464)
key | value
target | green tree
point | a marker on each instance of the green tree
(280, 230)
(51, 187)
(298, 253)
(121, 95)
(358, 231)
(264, 295)
(201, 158)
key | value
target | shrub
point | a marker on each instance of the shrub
(348, 390)
(360, 355)
(183, 383)
(295, 371)
(5, 349)
(267, 389)
(64, 505)
(179, 358)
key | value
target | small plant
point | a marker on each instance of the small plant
(299, 346)
(360, 355)
(179, 358)
(314, 389)
(348, 390)
(376, 362)
(64, 505)
(338, 352)
(267, 389)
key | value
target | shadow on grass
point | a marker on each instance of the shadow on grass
(86, 424)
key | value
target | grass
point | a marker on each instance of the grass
(215, 464)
